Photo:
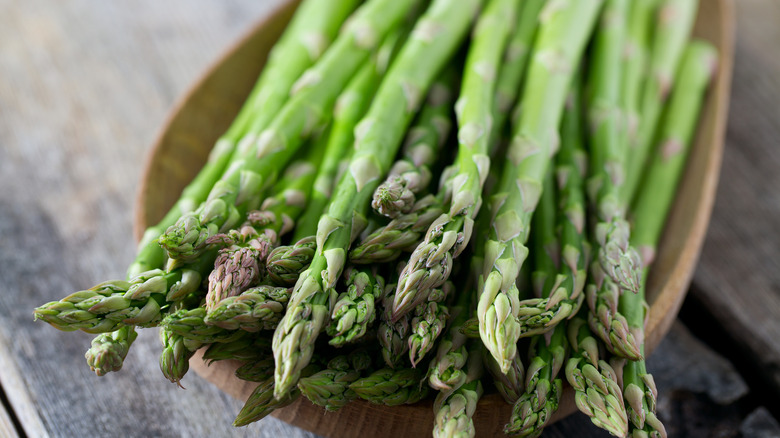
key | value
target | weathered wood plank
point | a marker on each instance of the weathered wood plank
(86, 85)
(738, 279)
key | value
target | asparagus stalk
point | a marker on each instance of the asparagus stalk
(355, 309)
(190, 324)
(595, 382)
(286, 263)
(564, 29)
(428, 323)
(431, 262)
(636, 53)
(314, 25)
(350, 107)
(258, 308)
(411, 175)
(564, 297)
(330, 388)
(454, 410)
(391, 387)
(175, 357)
(651, 208)
(513, 67)
(393, 336)
(445, 372)
(247, 347)
(260, 161)
(543, 388)
(674, 20)
(617, 266)
(257, 370)
(402, 233)
(111, 305)
(108, 350)
(262, 401)
(432, 43)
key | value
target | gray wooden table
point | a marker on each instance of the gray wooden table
(86, 84)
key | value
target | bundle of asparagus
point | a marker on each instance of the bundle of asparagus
(263, 256)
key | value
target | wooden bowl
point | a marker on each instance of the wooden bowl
(207, 110)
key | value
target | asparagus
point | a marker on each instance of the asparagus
(428, 323)
(402, 233)
(432, 43)
(247, 347)
(286, 263)
(190, 324)
(445, 372)
(431, 262)
(513, 66)
(257, 370)
(543, 388)
(262, 401)
(349, 108)
(675, 20)
(355, 309)
(636, 53)
(391, 387)
(651, 210)
(564, 29)
(175, 357)
(313, 96)
(108, 350)
(454, 410)
(314, 25)
(393, 336)
(330, 388)
(258, 308)
(616, 268)
(412, 174)
(595, 382)
(111, 305)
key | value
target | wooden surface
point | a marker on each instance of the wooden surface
(206, 111)
(86, 85)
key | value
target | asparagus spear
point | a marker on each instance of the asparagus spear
(674, 20)
(431, 262)
(651, 208)
(564, 297)
(543, 388)
(616, 268)
(432, 43)
(595, 382)
(113, 304)
(262, 401)
(393, 336)
(445, 372)
(190, 324)
(402, 233)
(350, 107)
(175, 357)
(286, 263)
(411, 175)
(259, 163)
(258, 308)
(428, 323)
(330, 388)
(314, 25)
(247, 347)
(564, 29)
(257, 370)
(636, 54)
(391, 387)
(454, 410)
(513, 66)
(355, 309)
(108, 350)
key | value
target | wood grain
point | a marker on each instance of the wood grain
(86, 85)
(171, 160)
(738, 279)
